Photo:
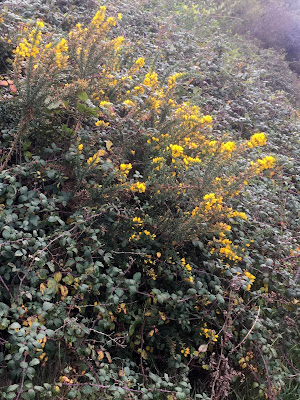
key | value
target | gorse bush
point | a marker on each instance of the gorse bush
(129, 266)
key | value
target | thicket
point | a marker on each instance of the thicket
(149, 206)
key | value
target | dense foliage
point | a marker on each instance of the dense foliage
(149, 194)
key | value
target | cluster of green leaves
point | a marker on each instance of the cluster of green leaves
(84, 309)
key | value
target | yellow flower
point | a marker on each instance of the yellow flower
(118, 41)
(211, 200)
(138, 187)
(101, 123)
(105, 104)
(80, 147)
(172, 80)
(99, 17)
(150, 79)
(232, 214)
(228, 147)
(125, 168)
(62, 47)
(258, 139)
(137, 220)
(140, 62)
(177, 151)
(206, 119)
(40, 24)
(129, 103)
(266, 163)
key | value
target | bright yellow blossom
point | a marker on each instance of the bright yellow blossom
(139, 187)
(150, 79)
(177, 150)
(140, 62)
(258, 139)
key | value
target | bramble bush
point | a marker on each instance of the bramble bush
(130, 264)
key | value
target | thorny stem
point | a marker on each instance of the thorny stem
(23, 378)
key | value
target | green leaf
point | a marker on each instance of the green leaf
(87, 389)
(137, 276)
(6, 234)
(24, 364)
(54, 105)
(12, 388)
(69, 279)
(57, 277)
(15, 325)
(34, 362)
(31, 393)
(27, 154)
(47, 306)
(83, 96)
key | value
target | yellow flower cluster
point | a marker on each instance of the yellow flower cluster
(227, 250)
(265, 163)
(188, 270)
(186, 266)
(189, 114)
(258, 139)
(129, 103)
(139, 89)
(232, 214)
(210, 334)
(96, 157)
(147, 233)
(140, 62)
(213, 201)
(150, 79)
(144, 233)
(244, 361)
(101, 123)
(109, 22)
(173, 79)
(228, 147)
(176, 150)
(191, 160)
(137, 220)
(207, 119)
(154, 103)
(66, 380)
(159, 161)
(99, 17)
(139, 187)
(61, 59)
(250, 277)
(186, 351)
(117, 42)
(105, 104)
(125, 169)
(31, 49)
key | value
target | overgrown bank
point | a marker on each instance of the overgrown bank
(150, 209)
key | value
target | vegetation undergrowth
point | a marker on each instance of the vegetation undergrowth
(149, 210)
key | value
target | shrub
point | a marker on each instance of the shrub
(129, 266)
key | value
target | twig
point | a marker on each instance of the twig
(23, 378)
(251, 329)
(267, 375)
(6, 287)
